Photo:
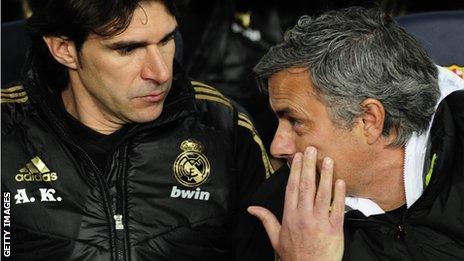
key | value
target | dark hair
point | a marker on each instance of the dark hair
(358, 53)
(75, 20)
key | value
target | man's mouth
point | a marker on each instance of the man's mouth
(154, 97)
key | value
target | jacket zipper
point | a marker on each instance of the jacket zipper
(115, 222)
(119, 218)
(120, 237)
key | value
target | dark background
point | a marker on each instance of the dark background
(219, 55)
(15, 9)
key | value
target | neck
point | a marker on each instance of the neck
(81, 105)
(386, 183)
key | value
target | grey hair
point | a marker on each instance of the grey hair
(356, 53)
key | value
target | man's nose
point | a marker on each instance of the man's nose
(283, 145)
(155, 67)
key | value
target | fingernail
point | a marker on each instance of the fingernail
(310, 151)
(328, 162)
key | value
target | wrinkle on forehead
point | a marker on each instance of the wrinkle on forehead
(290, 91)
(292, 80)
(297, 70)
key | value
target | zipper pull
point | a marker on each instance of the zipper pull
(118, 219)
(119, 226)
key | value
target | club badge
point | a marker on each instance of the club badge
(191, 167)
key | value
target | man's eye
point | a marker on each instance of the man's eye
(126, 50)
(166, 40)
(294, 122)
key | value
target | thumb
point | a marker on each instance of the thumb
(270, 223)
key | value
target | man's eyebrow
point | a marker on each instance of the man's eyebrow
(123, 44)
(283, 112)
(130, 43)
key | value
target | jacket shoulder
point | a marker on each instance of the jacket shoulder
(208, 94)
(224, 112)
(213, 103)
(15, 106)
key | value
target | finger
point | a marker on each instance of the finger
(337, 214)
(291, 190)
(307, 187)
(270, 223)
(324, 191)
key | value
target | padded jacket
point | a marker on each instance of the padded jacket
(173, 189)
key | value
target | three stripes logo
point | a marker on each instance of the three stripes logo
(15, 94)
(35, 170)
(244, 121)
(206, 92)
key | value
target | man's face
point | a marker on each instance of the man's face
(127, 77)
(304, 121)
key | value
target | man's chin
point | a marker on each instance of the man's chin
(147, 116)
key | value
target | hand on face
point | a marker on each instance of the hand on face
(309, 231)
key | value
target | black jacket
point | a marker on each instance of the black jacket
(431, 229)
(174, 189)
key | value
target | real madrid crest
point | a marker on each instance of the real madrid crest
(191, 167)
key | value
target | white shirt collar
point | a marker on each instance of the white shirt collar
(415, 151)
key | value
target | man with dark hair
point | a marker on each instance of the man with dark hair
(363, 112)
(111, 153)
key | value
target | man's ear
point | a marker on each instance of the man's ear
(63, 50)
(373, 119)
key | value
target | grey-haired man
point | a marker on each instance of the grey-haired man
(367, 120)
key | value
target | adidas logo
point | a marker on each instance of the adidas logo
(36, 170)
